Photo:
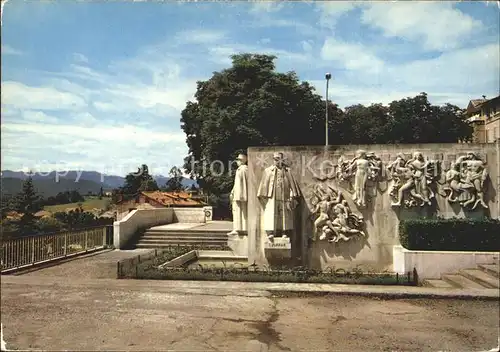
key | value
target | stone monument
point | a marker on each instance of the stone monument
(346, 214)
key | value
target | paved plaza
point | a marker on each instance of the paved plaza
(74, 306)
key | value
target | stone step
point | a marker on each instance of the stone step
(437, 283)
(184, 235)
(481, 277)
(492, 269)
(461, 281)
(187, 232)
(190, 237)
(180, 240)
(177, 244)
(203, 239)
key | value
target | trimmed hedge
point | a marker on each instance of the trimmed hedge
(340, 276)
(450, 234)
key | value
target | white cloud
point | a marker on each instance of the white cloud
(436, 25)
(331, 11)
(259, 7)
(21, 96)
(39, 116)
(80, 58)
(351, 56)
(101, 148)
(199, 36)
(8, 50)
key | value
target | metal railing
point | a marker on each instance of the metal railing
(30, 250)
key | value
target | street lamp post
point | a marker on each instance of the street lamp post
(327, 77)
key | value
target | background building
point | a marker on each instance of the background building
(484, 115)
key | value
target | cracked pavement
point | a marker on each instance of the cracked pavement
(51, 310)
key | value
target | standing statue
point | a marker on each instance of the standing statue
(363, 168)
(466, 181)
(413, 177)
(239, 197)
(279, 193)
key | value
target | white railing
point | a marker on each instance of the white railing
(29, 250)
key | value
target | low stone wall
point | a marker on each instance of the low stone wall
(137, 220)
(127, 268)
(191, 215)
(141, 219)
(432, 264)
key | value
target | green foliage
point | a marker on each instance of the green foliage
(77, 219)
(65, 198)
(415, 120)
(174, 183)
(250, 273)
(49, 224)
(139, 181)
(10, 228)
(27, 203)
(249, 104)
(450, 234)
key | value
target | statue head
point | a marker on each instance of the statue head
(400, 156)
(472, 156)
(418, 156)
(241, 159)
(361, 153)
(279, 159)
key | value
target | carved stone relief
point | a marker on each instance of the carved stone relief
(279, 194)
(412, 180)
(466, 181)
(363, 170)
(333, 219)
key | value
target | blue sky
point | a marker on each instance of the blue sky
(100, 85)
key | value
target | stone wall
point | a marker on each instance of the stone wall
(380, 217)
(140, 219)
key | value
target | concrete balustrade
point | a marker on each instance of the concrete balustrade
(141, 219)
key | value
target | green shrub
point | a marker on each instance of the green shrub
(450, 234)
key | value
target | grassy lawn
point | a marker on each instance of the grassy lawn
(89, 204)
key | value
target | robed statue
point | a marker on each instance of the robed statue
(279, 194)
(239, 197)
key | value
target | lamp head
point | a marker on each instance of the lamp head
(328, 76)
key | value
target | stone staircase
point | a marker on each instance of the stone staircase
(484, 276)
(160, 238)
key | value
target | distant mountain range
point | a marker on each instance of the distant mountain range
(88, 181)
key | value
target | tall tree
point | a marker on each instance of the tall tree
(250, 104)
(28, 202)
(139, 181)
(415, 120)
(174, 183)
(408, 120)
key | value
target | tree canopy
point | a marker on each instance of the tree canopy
(139, 181)
(250, 104)
(174, 183)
